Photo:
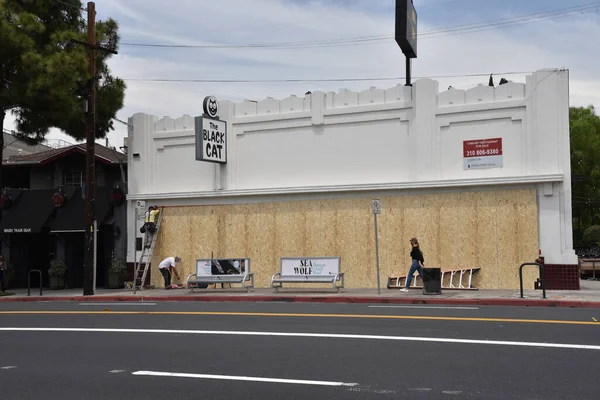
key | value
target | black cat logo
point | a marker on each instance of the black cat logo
(211, 106)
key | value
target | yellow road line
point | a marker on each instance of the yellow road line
(258, 314)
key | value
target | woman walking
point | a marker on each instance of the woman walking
(417, 263)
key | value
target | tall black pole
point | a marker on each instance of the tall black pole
(90, 174)
(408, 71)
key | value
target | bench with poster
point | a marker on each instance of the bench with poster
(222, 270)
(309, 270)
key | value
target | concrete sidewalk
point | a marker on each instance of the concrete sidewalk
(587, 297)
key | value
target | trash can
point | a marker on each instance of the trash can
(432, 281)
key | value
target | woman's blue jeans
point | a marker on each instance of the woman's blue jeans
(413, 267)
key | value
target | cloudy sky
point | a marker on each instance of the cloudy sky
(532, 34)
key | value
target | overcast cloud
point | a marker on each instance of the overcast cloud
(567, 42)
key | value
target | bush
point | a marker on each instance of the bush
(57, 268)
(117, 267)
(591, 236)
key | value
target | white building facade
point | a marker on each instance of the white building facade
(399, 143)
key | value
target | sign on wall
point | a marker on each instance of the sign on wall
(211, 133)
(222, 266)
(482, 154)
(310, 266)
(17, 230)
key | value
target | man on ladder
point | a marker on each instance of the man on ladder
(149, 227)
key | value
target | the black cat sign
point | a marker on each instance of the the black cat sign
(211, 133)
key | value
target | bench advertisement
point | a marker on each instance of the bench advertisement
(222, 266)
(310, 266)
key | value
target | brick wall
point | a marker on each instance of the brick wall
(561, 277)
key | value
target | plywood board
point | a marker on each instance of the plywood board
(494, 230)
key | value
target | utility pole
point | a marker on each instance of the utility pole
(90, 173)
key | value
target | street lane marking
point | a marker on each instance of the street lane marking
(116, 371)
(263, 314)
(428, 307)
(9, 367)
(117, 304)
(369, 390)
(312, 335)
(241, 378)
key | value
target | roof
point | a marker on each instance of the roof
(14, 147)
(103, 154)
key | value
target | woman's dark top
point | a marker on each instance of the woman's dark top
(416, 254)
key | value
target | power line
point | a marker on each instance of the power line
(319, 80)
(71, 5)
(441, 32)
(428, 5)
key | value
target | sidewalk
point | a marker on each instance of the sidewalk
(587, 297)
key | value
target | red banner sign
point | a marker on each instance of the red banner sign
(482, 148)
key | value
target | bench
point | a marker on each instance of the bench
(214, 271)
(309, 270)
(398, 282)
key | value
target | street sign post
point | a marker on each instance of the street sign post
(376, 209)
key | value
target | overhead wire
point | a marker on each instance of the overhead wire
(71, 5)
(321, 79)
(440, 32)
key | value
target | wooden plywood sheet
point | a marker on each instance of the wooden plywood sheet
(495, 230)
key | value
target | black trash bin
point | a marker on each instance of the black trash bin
(432, 281)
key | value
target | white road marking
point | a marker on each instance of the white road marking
(116, 304)
(369, 390)
(116, 371)
(241, 378)
(421, 389)
(311, 335)
(452, 391)
(430, 307)
(9, 367)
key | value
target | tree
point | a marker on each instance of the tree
(43, 74)
(585, 167)
(591, 236)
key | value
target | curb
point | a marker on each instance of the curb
(314, 299)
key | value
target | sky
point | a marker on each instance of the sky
(525, 43)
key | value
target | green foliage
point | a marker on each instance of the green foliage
(591, 236)
(57, 268)
(117, 267)
(42, 70)
(585, 167)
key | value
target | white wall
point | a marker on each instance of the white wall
(399, 138)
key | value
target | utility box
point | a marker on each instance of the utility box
(432, 281)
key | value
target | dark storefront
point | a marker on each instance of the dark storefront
(36, 232)
(22, 226)
(46, 220)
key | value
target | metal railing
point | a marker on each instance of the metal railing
(541, 268)
(29, 281)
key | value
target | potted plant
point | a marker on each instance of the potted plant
(57, 272)
(117, 272)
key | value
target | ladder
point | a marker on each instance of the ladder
(141, 270)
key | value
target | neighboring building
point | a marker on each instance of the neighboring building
(481, 177)
(15, 147)
(45, 217)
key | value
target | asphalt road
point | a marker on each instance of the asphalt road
(296, 351)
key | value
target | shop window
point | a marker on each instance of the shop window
(75, 178)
